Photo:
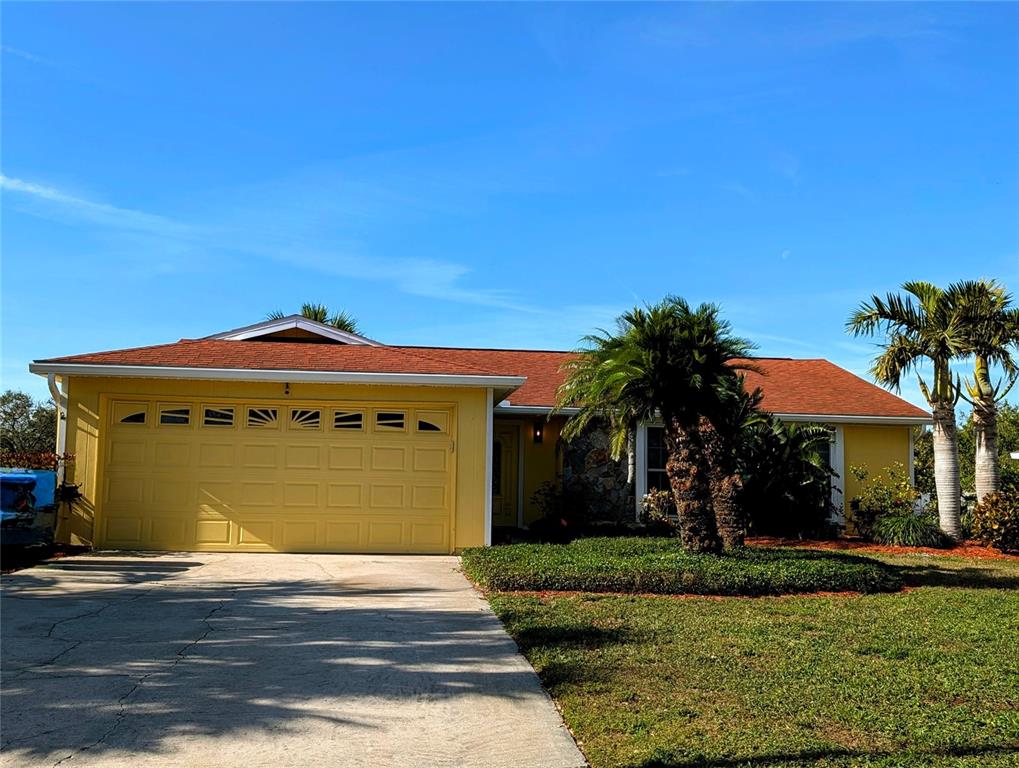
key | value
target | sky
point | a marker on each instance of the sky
(499, 175)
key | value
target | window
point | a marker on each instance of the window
(305, 418)
(348, 420)
(657, 455)
(390, 420)
(129, 413)
(175, 415)
(218, 417)
(263, 418)
(432, 421)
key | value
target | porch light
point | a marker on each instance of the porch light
(539, 433)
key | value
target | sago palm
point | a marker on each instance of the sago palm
(726, 433)
(665, 361)
(990, 325)
(924, 326)
(342, 320)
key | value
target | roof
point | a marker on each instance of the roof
(792, 387)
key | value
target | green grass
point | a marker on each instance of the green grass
(925, 677)
(659, 566)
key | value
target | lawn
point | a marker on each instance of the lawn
(927, 676)
(659, 566)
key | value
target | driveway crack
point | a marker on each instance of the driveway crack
(122, 702)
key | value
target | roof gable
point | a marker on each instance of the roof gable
(294, 328)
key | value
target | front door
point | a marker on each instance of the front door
(504, 475)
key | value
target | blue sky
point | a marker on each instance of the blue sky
(496, 175)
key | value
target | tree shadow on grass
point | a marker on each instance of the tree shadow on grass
(968, 577)
(138, 659)
(834, 756)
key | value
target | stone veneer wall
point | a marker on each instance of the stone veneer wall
(588, 468)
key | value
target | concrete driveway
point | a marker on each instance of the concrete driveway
(265, 660)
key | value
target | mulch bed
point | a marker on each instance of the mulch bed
(966, 549)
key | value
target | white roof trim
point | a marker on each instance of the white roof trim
(293, 321)
(843, 419)
(503, 384)
(531, 410)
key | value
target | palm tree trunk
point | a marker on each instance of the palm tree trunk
(726, 485)
(985, 429)
(946, 469)
(689, 477)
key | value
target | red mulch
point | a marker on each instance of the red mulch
(966, 549)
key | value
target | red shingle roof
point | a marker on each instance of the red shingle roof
(808, 387)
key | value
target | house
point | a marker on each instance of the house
(290, 435)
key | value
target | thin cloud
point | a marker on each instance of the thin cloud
(25, 55)
(737, 188)
(429, 278)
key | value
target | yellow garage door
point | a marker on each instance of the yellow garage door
(277, 476)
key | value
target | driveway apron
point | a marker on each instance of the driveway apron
(247, 660)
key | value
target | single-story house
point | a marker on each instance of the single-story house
(290, 435)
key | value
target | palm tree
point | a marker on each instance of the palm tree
(923, 326)
(726, 434)
(991, 328)
(342, 320)
(665, 361)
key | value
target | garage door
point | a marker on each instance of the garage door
(277, 476)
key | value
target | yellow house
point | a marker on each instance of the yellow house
(290, 435)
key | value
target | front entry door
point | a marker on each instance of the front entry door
(504, 475)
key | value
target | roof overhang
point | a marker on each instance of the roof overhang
(856, 419)
(269, 327)
(508, 409)
(501, 385)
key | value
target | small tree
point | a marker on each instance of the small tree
(666, 361)
(27, 425)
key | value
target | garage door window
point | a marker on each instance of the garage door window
(305, 418)
(432, 421)
(348, 420)
(129, 413)
(174, 416)
(217, 417)
(389, 421)
(263, 418)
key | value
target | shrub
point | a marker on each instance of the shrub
(658, 510)
(660, 566)
(996, 521)
(887, 493)
(908, 529)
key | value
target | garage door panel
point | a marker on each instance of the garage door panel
(260, 493)
(344, 495)
(301, 494)
(349, 457)
(124, 531)
(295, 483)
(389, 458)
(216, 456)
(213, 532)
(302, 457)
(172, 455)
(388, 495)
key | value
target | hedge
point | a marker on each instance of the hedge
(659, 566)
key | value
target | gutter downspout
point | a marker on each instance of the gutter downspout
(60, 399)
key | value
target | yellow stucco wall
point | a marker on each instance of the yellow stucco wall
(87, 396)
(872, 447)
(541, 461)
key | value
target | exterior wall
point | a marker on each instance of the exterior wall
(873, 447)
(540, 461)
(588, 467)
(86, 413)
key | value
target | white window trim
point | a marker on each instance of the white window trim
(838, 462)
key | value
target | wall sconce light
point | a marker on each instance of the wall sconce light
(286, 389)
(539, 432)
